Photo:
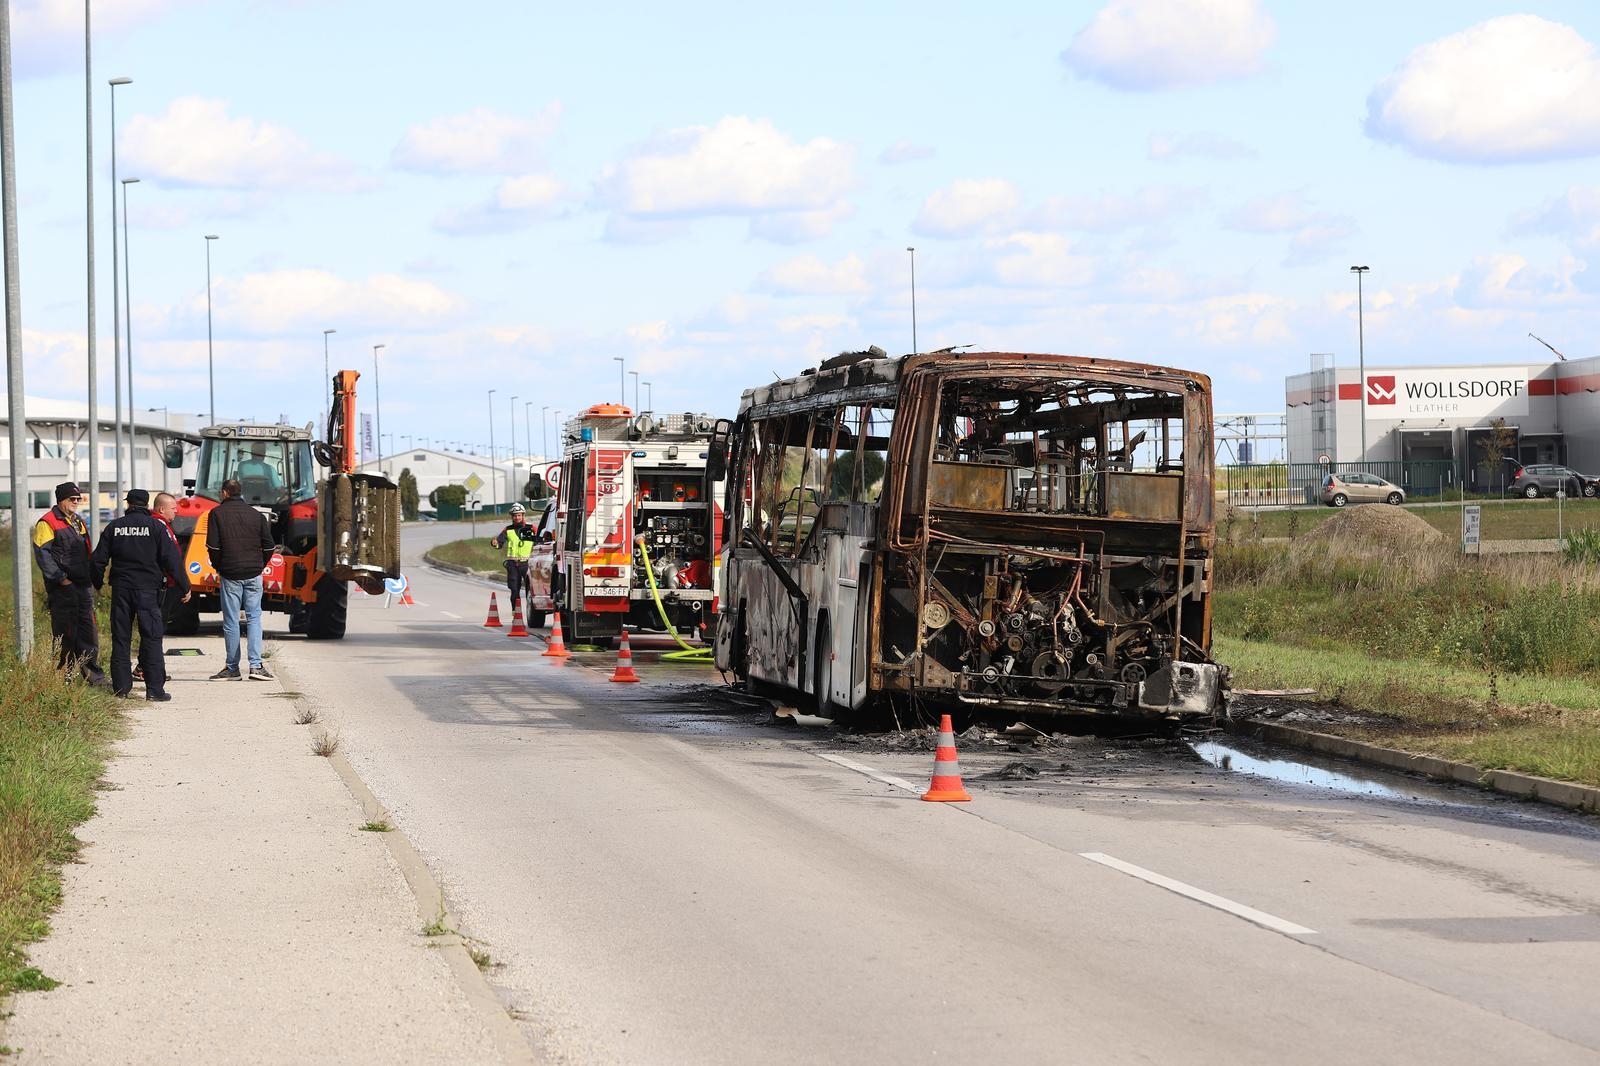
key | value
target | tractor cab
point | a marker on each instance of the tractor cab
(273, 466)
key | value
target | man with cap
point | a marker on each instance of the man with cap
(61, 548)
(142, 557)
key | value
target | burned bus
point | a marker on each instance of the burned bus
(992, 532)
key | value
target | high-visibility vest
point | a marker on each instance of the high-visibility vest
(519, 541)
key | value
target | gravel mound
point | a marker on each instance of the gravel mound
(1377, 524)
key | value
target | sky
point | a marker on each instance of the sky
(511, 196)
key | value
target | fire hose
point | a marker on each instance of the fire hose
(690, 653)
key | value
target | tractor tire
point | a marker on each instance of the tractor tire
(327, 617)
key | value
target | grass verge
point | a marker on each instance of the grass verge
(1510, 519)
(475, 554)
(53, 743)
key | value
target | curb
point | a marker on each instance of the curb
(1525, 786)
(457, 568)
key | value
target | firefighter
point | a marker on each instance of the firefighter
(517, 539)
(142, 556)
(61, 548)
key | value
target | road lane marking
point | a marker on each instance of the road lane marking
(451, 614)
(1200, 895)
(888, 779)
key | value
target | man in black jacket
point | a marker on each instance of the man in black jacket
(239, 541)
(61, 548)
(142, 558)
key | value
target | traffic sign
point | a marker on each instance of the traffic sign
(1470, 525)
(394, 585)
(473, 483)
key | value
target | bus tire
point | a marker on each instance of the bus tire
(822, 673)
(328, 610)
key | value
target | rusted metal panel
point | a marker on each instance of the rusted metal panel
(968, 485)
(1152, 497)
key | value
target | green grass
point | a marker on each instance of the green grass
(1492, 661)
(1510, 519)
(377, 827)
(54, 738)
(473, 554)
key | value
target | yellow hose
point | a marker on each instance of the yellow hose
(689, 654)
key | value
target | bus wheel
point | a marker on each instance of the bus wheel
(822, 673)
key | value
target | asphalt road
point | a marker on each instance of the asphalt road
(658, 881)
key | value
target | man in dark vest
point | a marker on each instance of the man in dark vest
(61, 549)
(142, 557)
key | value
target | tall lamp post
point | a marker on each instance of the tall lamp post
(544, 431)
(127, 325)
(649, 404)
(116, 305)
(622, 381)
(913, 252)
(377, 402)
(494, 472)
(323, 402)
(527, 430)
(1361, 356)
(516, 489)
(16, 416)
(93, 515)
(634, 374)
(166, 424)
(211, 364)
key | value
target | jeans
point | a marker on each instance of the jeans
(247, 594)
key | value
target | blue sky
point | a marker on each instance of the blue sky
(508, 196)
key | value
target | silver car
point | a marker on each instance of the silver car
(1357, 487)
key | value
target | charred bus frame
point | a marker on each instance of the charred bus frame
(1007, 532)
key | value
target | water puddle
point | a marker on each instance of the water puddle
(1232, 759)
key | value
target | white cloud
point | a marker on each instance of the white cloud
(903, 151)
(1321, 239)
(1574, 215)
(1111, 213)
(1200, 145)
(1144, 45)
(808, 274)
(479, 141)
(1501, 282)
(516, 203)
(740, 167)
(1244, 318)
(967, 207)
(291, 301)
(47, 35)
(1512, 89)
(196, 144)
(1039, 260)
(1270, 214)
(797, 227)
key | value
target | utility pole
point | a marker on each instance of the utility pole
(21, 542)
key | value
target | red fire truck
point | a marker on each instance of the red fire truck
(629, 488)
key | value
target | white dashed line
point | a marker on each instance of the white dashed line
(1200, 895)
(888, 779)
(451, 614)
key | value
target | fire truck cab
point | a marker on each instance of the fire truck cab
(629, 487)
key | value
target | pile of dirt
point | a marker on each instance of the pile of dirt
(1379, 525)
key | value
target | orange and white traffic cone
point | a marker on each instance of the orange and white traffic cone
(624, 670)
(558, 647)
(946, 786)
(517, 628)
(494, 614)
(405, 596)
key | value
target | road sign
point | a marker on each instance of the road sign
(394, 585)
(552, 475)
(1470, 524)
(473, 503)
(473, 483)
(1324, 458)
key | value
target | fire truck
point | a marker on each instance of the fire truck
(629, 488)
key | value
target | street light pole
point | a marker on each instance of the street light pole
(512, 448)
(211, 364)
(93, 517)
(527, 430)
(913, 252)
(377, 402)
(116, 304)
(1361, 356)
(544, 431)
(494, 473)
(622, 381)
(649, 403)
(635, 375)
(21, 570)
(327, 382)
(127, 325)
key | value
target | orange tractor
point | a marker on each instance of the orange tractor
(343, 528)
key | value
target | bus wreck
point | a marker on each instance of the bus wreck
(996, 532)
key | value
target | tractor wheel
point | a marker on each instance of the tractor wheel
(326, 621)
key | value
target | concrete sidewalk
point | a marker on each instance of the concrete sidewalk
(229, 908)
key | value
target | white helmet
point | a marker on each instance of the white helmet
(517, 508)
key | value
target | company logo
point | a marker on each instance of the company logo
(1380, 389)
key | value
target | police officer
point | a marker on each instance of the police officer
(61, 548)
(518, 540)
(142, 558)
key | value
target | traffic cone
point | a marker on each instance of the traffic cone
(558, 647)
(624, 670)
(946, 785)
(494, 614)
(405, 596)
(517, 628)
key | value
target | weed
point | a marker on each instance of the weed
(324, 743)
(1582, 546)
(438, 928)
(307, 716)
(480, 957)
(31, 979)
(1292, 527)
(377, 827)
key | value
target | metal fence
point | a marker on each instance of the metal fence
(1290, 484)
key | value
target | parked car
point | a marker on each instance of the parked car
(1546, 479)
(1357, 487)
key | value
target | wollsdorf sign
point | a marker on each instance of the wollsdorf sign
(1480, 392)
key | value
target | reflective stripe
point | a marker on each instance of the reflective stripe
(947, 740)
(946, 768)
